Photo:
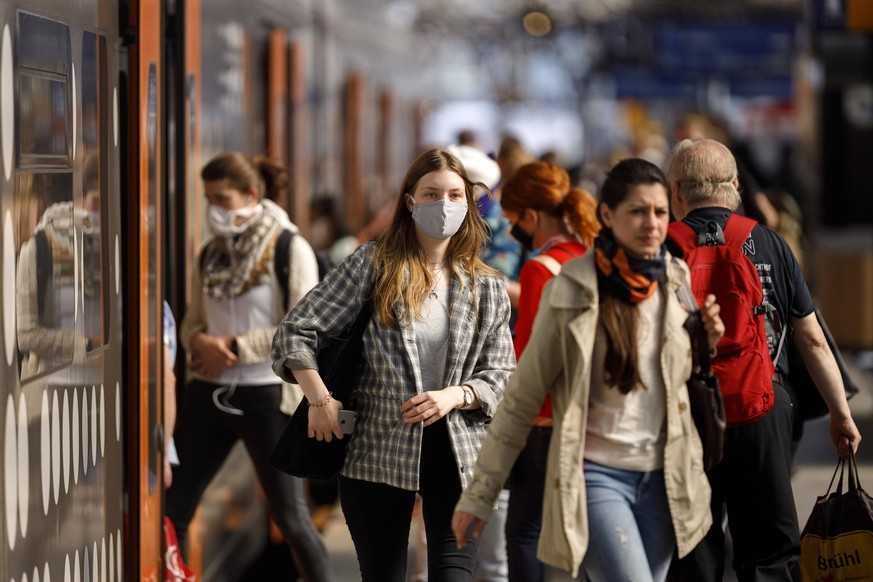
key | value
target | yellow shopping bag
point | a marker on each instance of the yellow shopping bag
(837, 542)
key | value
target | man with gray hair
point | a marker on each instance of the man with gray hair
(753, 481)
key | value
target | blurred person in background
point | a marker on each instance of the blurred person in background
(502, 252)
(437, 354)
(511, 156)
(236, 302)
(610, 348)
(560, 222)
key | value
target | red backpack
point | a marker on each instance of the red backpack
(718, 266)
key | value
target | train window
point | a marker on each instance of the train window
(48, 270)
(95, 126)
(43, 101)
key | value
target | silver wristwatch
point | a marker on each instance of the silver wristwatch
(468, 397)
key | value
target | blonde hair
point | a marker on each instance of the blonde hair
(402, 276)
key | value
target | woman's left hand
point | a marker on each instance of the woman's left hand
(712, 323)
(430, 406)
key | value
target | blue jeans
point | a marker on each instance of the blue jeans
(630, 533)
(524, 517)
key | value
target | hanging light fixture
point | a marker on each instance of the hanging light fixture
(537, 23)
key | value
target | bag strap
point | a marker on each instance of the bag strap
(854, 480)
(699, 341)
(282, 263)
(550, 263)
(363, 318)
(683, 235)
(737, 229)
(839, 470)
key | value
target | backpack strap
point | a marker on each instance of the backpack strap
(737, 229)
(564, 250)
(683, 235)
(550, 263)
(43, 268)
(282, 262)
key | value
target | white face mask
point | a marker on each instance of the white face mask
(228, 223)
(440, 219)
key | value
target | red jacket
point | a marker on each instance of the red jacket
(534, 276)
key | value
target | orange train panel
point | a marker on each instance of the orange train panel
(194, 202)
(145, 136)
(277, 98)
(299, 132)
(352, 155)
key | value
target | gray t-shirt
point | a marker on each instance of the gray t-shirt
(432, 340)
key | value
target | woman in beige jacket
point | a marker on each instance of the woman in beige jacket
(624, 481)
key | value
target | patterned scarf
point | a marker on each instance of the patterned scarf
(232, 265)
(630, 278)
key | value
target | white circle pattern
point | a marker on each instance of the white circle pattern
(118, 554)
(75, 432)
(65, 439)
(7, 102)
(56, 446)
(111, 553)
(10, 473)
(85, 422)
(8, 288)
(76, 267)
(102, 422)
(23, 465)
(94, 421)
(45, 452)
(75, 108)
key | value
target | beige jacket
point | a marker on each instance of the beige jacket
(557, 360)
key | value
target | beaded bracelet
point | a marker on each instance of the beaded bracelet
(322, 403)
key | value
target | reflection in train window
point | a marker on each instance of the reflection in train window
(47, 270)
(47, 284)
(43, 117)
(94, 180)
(43, 83)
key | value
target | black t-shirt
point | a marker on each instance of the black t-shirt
(781, 277)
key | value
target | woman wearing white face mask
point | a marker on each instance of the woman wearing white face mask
(237, 300)
(437, 354)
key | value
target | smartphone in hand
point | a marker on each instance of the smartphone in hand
(347, 420)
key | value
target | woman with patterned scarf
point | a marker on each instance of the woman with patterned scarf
(237, 301)
(626, 485)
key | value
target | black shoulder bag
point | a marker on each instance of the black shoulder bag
(339, 364)
(707, 406)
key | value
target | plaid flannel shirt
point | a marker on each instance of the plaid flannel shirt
(383, 448)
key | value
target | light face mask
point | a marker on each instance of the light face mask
(228, 223)
(441, 219)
